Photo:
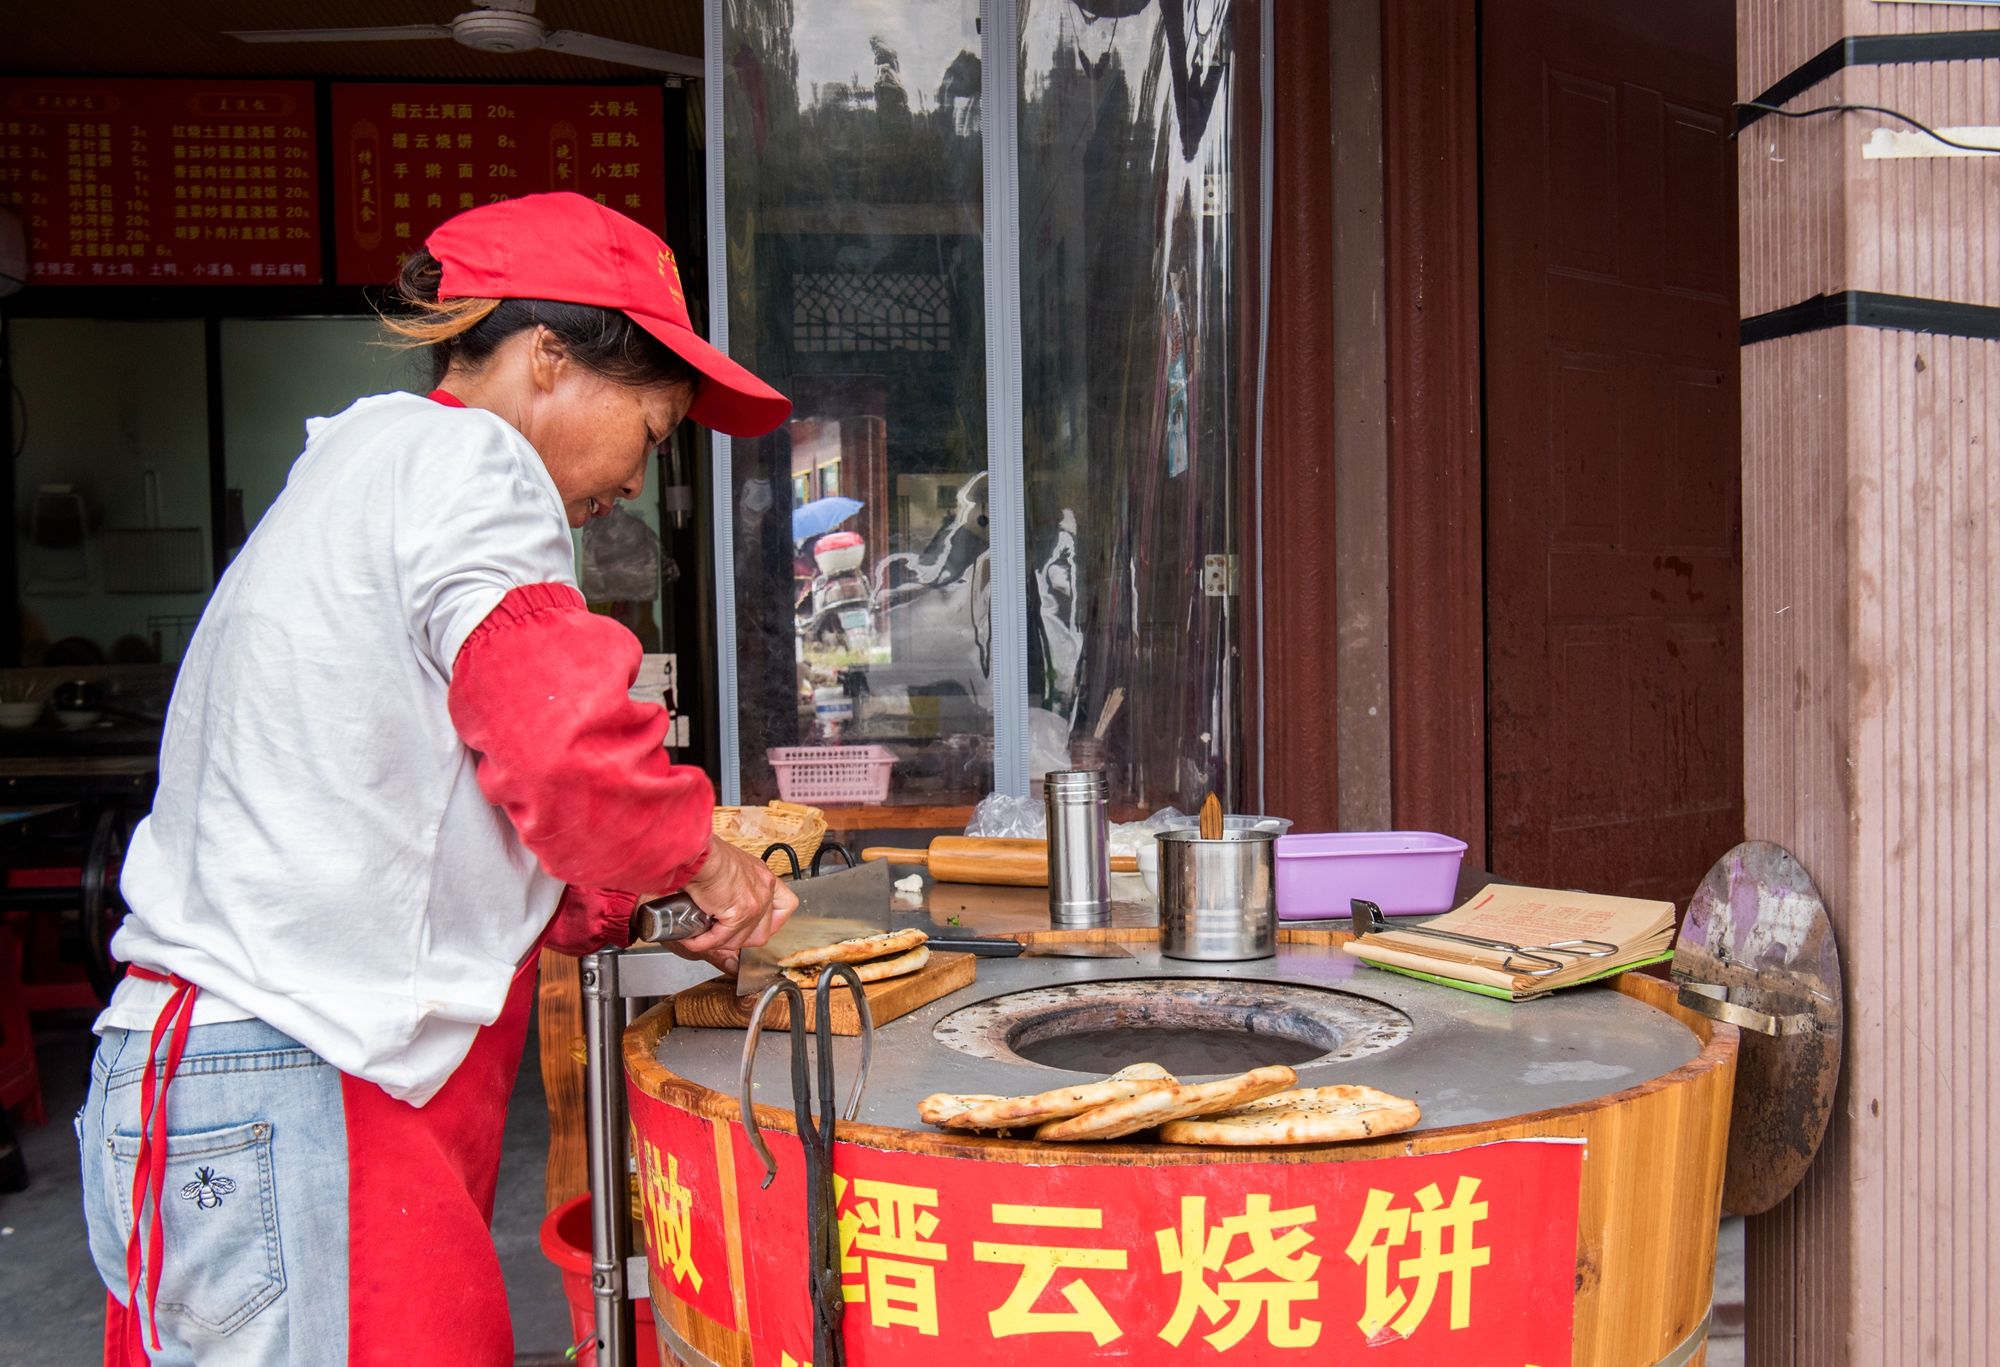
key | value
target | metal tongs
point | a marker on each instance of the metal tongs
(1368, 920)
(815, 1134)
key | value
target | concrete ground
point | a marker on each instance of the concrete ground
(51, 1301)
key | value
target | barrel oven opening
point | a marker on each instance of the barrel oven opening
(1190, 1026)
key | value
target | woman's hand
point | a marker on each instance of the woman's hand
(745, 898)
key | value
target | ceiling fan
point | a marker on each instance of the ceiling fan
(503, 26)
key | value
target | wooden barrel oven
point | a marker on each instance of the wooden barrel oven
(1580, 1234)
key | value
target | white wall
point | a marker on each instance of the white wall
(276, 373)
(102, 400)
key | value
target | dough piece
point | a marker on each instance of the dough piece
(1307, 1115)
(1143, 1112)
(855, 951)
(1017, 1112)
(871, 972)
(942, 1107)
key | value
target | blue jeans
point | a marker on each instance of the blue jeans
(255, 1203)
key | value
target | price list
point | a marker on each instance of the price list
(139, 182)
(407, 157)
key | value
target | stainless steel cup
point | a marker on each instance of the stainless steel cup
(1217, 898)
(1078, 802)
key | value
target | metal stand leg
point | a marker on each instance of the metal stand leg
(607, 1144)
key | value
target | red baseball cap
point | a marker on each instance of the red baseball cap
(571, 249)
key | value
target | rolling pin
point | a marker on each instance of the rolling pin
(980, 859)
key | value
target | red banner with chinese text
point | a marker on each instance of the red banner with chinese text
(1463, 1259)
(407, 157)
(139, 182)
(680, 1193)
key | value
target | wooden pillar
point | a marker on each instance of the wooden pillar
(1871, 605)
(1298, 625)
(1437, 628)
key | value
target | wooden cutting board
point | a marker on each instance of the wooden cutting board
(715, 1005)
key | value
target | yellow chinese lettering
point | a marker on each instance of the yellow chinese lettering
(1385, 1227)
(1268, 1281)
(669, 1214)
(1039, 1264)
(886, 1252)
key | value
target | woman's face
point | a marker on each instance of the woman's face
(595, 435)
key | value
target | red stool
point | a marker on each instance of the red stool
(20, 1084)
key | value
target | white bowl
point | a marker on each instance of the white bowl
(15, 716)
(76, 721)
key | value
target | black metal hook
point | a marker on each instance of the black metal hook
(790, 854)
(832, 847)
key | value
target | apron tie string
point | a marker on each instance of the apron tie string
(149, 1169)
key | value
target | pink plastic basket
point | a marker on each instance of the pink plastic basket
(832, 773)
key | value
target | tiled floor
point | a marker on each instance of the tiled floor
(51, 1301)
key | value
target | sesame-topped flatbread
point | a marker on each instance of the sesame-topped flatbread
(1143, 1112)
(856, 951)
(873, 971)
(942, 1107)
(1017, 1112)
(1306, 1115)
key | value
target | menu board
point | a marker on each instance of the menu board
(163, 182)
(407, 157)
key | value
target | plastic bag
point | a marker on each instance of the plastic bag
(621, 560)
(1009, 818)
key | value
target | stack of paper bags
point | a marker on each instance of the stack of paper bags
(1546, 925)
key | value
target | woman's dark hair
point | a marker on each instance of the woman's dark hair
(471, 330)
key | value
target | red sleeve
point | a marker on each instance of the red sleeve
(588, 919)
(539, 694)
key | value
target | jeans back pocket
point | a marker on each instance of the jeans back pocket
(221, 1264)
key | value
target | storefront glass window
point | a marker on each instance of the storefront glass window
(852, 165)
(1129, 338)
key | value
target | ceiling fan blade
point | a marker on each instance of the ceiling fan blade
(626, 54)
(397, 33)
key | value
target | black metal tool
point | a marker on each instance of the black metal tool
(988, 948)
(816, 1131)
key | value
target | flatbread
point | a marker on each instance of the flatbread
(856, 951)
(1018, 1112)
(1143, 1112)
(873, 971)
(1306, 1115)
(940, 1108)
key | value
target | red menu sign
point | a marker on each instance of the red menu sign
(407, 157)
(163, 182)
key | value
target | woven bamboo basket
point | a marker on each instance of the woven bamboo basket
(803, 828)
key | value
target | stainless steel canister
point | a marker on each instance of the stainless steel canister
(1079, 823)
(1217, 898)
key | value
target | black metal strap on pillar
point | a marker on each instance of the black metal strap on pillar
(1868, 309)
(1874, 49)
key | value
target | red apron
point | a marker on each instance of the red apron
(421, 1266)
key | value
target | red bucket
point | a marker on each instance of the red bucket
(566, 1243)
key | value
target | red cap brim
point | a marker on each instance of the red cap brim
(731, 400)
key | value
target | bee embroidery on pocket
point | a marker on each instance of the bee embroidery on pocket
(207, 1190)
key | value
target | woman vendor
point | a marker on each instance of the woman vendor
(400, 758)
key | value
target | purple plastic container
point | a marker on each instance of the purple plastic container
(1406, 873)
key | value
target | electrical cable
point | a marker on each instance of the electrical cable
(1923, 128)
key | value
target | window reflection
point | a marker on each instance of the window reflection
(1130, 331)
(852, 208)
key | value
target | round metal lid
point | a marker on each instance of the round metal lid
(1757, 951)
